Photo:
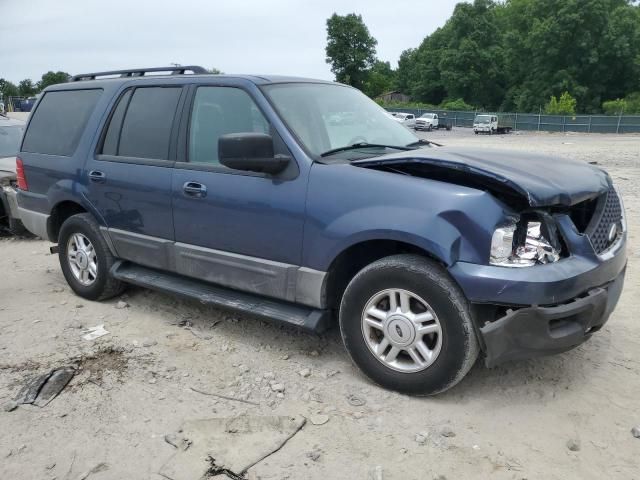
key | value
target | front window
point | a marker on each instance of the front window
(428, 115)
(483, 119)
(328, 116)
(10, 140)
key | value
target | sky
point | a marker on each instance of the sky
(285, 37)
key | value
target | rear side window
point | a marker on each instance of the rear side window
(59, 120)
(141, 123)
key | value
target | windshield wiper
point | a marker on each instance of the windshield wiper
(358, 145)
(422, 141)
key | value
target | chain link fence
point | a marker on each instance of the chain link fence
(541, 122)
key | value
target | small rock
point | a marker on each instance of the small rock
(573, 445)
(10, 406)
(285, 357)
(243, 369)
(305, 372)
(152, 381)
(421, 438)
(447, 432)
(269, 376)
(355, 400)
(171, 369)
(357, 415)
(635, 431)
(79, 305)
(314, 455)
(147, 342)
(277, 387)
(319, 419)
(280, 395)
(121, 304)
(314, 353)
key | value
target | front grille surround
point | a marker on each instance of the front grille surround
(608, 212)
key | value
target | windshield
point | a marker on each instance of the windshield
(483, 119)
(325, 117)
(427, 115)
(10, 140)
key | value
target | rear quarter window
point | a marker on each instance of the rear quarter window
(59, 120)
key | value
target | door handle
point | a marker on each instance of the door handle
(97, 176)
(194, 189)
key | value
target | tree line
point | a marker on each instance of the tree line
(29, 88)
(560, 56)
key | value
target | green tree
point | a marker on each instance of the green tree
(27, 88)
(8, 89)
(215, 71)
(52, 78)
(516, 54)
(351, 50)
(380, 79)
(565, 105)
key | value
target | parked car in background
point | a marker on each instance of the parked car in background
(10, 135)
(490, 124)
(431, 121)
(238, 191)
(407, 119)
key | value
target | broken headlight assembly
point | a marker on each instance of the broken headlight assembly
(525, 242)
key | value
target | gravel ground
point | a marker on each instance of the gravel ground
(567, 416)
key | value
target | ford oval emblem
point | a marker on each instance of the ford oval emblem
(613, 231)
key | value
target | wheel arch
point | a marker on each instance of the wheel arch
(59, 213)
(354, 257)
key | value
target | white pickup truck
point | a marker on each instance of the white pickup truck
(489, 124)
(430, 121)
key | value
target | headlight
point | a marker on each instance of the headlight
(512, 247)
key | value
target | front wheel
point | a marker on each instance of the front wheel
(85, 259)
(407, 326)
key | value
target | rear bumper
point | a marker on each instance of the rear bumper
(10, 198)
(535, 331)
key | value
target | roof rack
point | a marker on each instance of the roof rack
(140, 72)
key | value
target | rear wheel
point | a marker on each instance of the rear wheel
(85, 259)
(407, 325)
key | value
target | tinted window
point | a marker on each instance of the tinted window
(59, 120)
(110, 145)
(146, 129)
(218, 111)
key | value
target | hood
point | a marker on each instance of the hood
(8, 164)
(537, 180)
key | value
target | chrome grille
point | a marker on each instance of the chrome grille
(610, 213)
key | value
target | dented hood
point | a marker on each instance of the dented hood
(540, 180)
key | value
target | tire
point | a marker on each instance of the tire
(103, 285)
(428, 281)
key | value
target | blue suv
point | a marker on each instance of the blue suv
(302, 201)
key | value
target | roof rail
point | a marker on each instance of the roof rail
(140, 72)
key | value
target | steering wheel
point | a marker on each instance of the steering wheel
(358, 139)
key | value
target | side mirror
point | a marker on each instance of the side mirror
(252, 152)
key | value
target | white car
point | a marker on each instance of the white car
(407, 119)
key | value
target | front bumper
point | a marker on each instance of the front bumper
(535, 331)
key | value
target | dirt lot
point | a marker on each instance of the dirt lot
(135, 385)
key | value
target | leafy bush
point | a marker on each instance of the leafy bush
(457, 104)
(629, 105)
(566, 105)
(614, 107)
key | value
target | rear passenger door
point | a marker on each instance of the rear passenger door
(242, 229)
(130, 177)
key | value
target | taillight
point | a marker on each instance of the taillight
(20, 176)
